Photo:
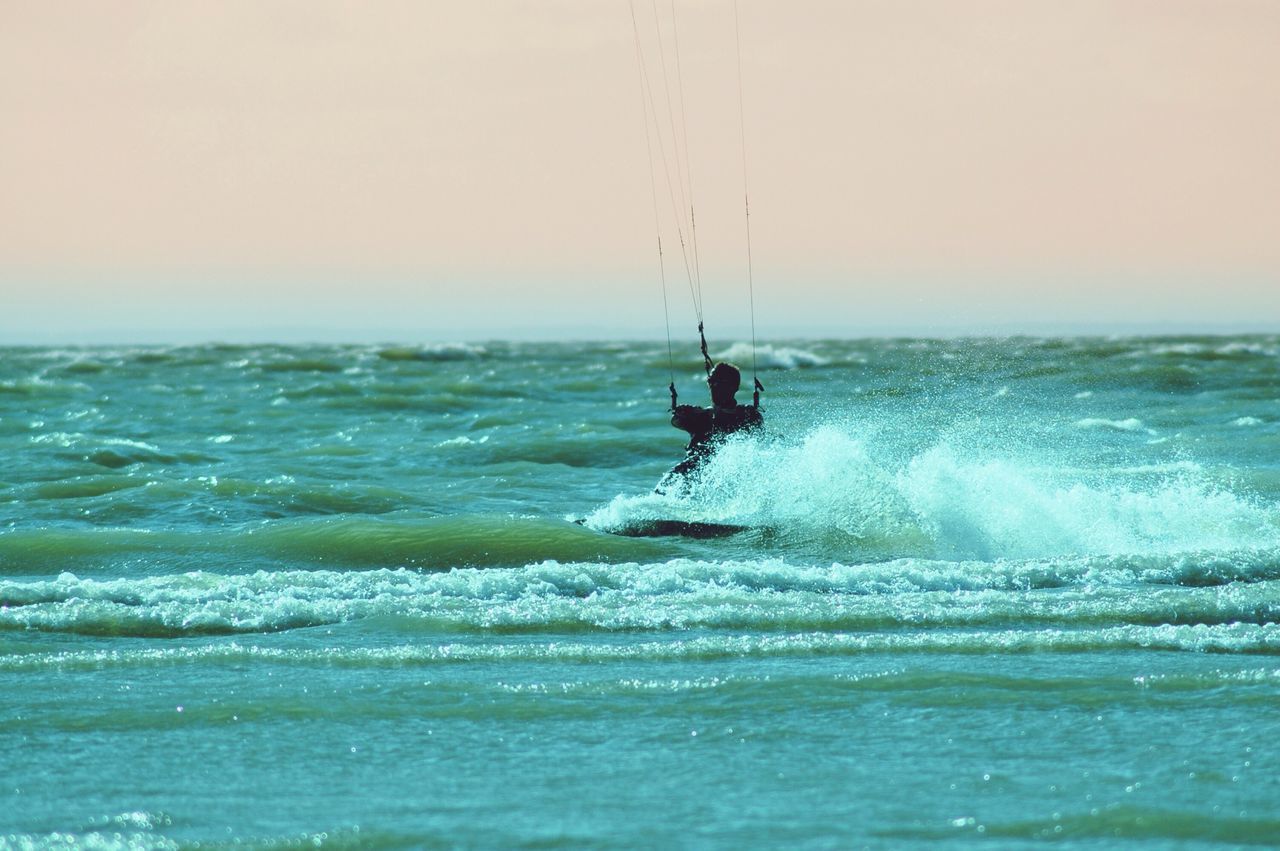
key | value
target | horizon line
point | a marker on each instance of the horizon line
(320, 335)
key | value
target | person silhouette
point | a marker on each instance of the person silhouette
(707, 427)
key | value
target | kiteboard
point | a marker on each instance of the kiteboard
(673, 529)
(678, 529)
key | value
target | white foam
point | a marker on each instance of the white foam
(462, 440)
(998, 509)
(1129, 424)
(1076, 595)
(132, 444)
(59, 438)
(454, 349)
(1228, 637)
(1238, 348)
(829, 488)
(771, 357)
(1172, 349)
(435, 352)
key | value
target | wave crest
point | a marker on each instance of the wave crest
(767, 356)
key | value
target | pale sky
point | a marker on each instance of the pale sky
(176, 170)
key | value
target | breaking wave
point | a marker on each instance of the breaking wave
(828, 488)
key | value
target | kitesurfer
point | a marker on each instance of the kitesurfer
(708, 426)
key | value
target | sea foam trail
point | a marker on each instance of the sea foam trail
(680, 594)
(828, 488)
(1235, 638)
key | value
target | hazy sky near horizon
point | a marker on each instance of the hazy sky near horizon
(191, 169)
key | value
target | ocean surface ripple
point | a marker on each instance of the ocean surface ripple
(996, 590)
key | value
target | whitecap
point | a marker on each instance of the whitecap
(132, 444)
(1129, 424)
(1173, 349)
(433, 352)
(1238, 348)
(771, 357)
(462, 440)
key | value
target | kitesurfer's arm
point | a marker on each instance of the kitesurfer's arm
(692, 419)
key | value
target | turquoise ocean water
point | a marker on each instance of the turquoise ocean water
(994, 593)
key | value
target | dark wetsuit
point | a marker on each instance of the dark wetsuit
(706, 426)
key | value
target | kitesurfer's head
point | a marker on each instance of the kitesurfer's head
(724, 381)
